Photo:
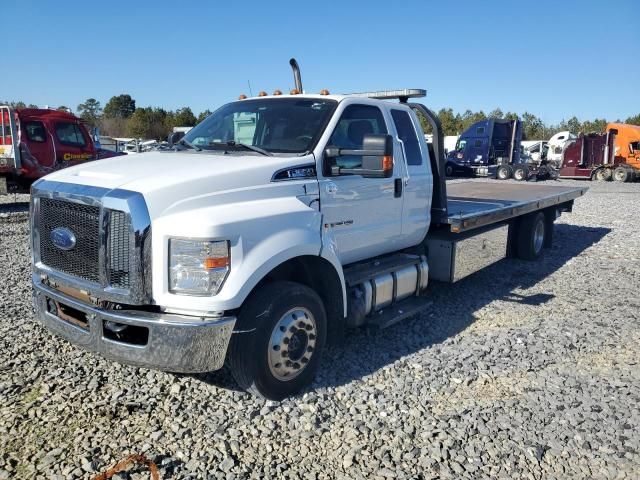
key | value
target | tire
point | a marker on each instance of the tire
(262, 360)
(448, 170)
(521, 173)
(622, 174)
(531, 236)
(602, 175)
(503, 172)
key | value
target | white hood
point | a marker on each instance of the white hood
(167, 179)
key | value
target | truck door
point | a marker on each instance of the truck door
(417, 181)
(73, 142)
(362, 217)
(39, 143)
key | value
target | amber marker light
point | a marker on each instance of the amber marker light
(242, 96)
(277, 92)
(262, 93)
(387, 162)
(213, 262)
(294, 91)
(324, 91)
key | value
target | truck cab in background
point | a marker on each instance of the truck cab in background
(612, 155)
(485, 147)
(35, 142)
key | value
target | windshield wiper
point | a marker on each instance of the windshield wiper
(189, 144)
(232, 143)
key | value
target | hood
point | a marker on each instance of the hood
(169, 179)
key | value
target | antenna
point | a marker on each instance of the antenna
(250, 92)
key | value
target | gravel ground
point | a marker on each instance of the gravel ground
(524, 370)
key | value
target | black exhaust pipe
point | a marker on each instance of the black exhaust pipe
(296, 74)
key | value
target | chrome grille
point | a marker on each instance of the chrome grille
(118, 248)
(83, 260)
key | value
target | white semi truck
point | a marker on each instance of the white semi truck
(333, 214)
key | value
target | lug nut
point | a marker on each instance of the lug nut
(276, 347)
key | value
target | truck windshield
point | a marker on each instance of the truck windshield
(280, 125)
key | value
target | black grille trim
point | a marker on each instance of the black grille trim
(118, 249)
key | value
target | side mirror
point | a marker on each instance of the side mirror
(377, 157)
(174, 138)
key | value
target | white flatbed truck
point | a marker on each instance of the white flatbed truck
(335, 215)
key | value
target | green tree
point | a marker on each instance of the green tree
(120, 106)
(635, 120)
(148, 123)
(451, 123)
(184, 117)
(90, 111)
(469, 118)
(533, 128)
(597, 125)
(497, 113)
(204, 115)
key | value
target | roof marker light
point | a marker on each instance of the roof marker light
(324, 91)
(242, 96)
(262, 93)
(294, 91)
(277, 92)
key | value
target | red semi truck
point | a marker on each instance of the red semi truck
(613, 155)
(35, 142)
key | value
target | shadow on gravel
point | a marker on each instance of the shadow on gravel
(452, 310)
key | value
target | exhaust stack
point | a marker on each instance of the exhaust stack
(296, 74)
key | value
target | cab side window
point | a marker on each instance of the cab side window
(35, 132)
(407, 133)
(70, 134)
(356, 122)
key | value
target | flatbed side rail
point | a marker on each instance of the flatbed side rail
(461, 222)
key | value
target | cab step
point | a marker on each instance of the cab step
(395, 313)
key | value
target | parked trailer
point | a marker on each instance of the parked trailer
(334, 216)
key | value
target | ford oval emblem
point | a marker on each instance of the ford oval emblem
(63, 238)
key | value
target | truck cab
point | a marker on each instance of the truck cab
(35, 142)
(484, 146)
(265, 232)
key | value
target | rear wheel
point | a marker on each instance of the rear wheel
(285, 327)
(602, 175)
(521, 173)
(531, 236)
(622, 174)
(503, 172)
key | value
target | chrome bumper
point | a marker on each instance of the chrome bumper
(175, 343)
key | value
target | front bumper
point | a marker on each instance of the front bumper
(174, 343)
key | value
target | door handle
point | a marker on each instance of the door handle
(398, 188)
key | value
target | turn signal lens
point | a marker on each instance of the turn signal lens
(277, 92)
(197, 267)
(242, 96)
(262, 93)
(213, 262)
(294, 91)
(387, 162)
(324, 91)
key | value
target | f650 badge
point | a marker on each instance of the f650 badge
(63, 238)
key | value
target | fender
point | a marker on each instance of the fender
(262, 235)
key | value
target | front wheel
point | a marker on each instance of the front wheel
(282, 330)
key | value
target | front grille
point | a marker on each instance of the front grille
(83, 260)
(118, 248)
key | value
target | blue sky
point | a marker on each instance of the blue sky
(554, 59)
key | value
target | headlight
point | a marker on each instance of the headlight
(197, 267)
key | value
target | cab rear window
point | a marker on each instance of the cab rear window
(35, 132)
(70, 134)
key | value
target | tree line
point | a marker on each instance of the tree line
(533, 127)
(121, 118)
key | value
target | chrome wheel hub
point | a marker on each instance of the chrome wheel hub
(292, 343)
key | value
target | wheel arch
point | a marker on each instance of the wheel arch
(321, 275)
